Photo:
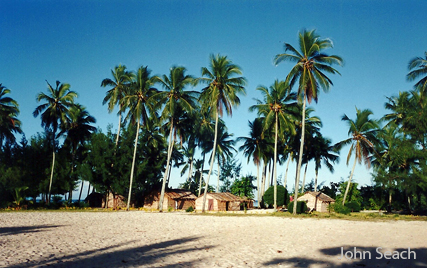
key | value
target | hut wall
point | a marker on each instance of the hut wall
(185, 204)
(234, 206)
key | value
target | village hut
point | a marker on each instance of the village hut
(223, 202)
(98, 200)
(317, 201)
(174, 198)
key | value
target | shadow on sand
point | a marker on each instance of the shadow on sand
(25, 229)
(330, 258)
(152, 255)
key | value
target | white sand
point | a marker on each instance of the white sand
(141, 239)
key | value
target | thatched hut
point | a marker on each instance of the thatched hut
(174, 198)
(114, 201)
(317, 201)
(223, 202)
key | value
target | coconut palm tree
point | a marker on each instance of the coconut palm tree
(78, 128)
(279, 106)
(175, 99)
(121, 80)
(223, 87)
(54, 112)
(309, 72)
(362, 132)
(140, 106)
(418, 69)
(253, 147)
(224, 146)
(8, 112)
(323, 151)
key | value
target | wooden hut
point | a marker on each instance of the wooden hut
(114, 201)
(174, 198)
(223, 202)
(317, 201)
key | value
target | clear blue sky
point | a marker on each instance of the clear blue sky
(79, 42)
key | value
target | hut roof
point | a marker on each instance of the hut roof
(227, 197)
(321, 196)
(180, 194)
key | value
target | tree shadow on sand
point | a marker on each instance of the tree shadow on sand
(153, 255)
(4, 231)
(330, 258)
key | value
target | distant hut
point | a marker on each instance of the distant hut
(223, 202)
(174, 198)
(317, 201)
(98, 200)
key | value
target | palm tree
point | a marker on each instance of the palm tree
(121, 80)
(175, 99)
(8, 112)
(309, 71)
(418, 68)
(363, 138)
(324, 152)
(278, 106)
(253, 147)
(78, 128)
(54, 112)
(137, 100)
(224, 146)
(222, 90)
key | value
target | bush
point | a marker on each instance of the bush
(301, 207)
(353, 206)
(282, 196)
(190, 209)
(339, 208)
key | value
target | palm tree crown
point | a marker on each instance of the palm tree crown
(8, 112)
(418, 68)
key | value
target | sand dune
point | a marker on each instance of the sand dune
(141, 239)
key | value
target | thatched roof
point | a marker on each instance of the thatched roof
(180, 194)
(321, 196)
(226, 197)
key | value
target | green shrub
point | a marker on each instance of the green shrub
(170, 209)
(190, 209)
(301, 207)
(339, 208)
(353, 206)
(282, 196)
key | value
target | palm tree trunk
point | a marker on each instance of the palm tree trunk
(286, 173)
(162, 194)
(133, 166)
(201, 175)
(212, 162)
(315, 180)
(263, 179)
(303, 181)
(88, 190)
(51, 175)
(301, 151)
(389, 201)
(217, 182)
(81, 190)
(118, 130)
(190, 172)
(349, 182)
(269, 175)
(257, 183)
(274, 166)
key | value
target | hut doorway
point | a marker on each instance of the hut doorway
(210, 204)
(226, 205)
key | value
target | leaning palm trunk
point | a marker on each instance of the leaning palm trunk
(212, 162)
(275, 167)
(201, 175)
(303, 181)
(162, 194)
(118, 130)
(286, 173)
(263, 179)
(133, 167)
(51, 176)
(301, 151)
(257, 184)
(219, 173)
(190, 172)
(349, 182)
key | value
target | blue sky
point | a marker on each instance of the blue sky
(79, 42)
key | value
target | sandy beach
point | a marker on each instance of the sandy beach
(142, 239)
